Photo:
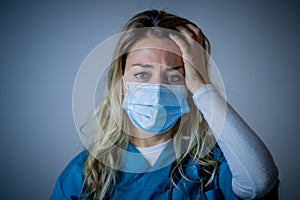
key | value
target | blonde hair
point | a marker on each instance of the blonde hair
(191, 130)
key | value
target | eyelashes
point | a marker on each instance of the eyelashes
(171, 78)
(142, 75)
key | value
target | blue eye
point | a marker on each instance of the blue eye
(174, 78)
(142, 75)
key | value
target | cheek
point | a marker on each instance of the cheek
(126, 69)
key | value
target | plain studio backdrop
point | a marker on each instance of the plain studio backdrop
(43, 43)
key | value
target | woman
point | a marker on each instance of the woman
(159, 135)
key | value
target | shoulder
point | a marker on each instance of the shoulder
(76, 164)
(69, 183)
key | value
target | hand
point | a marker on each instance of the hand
(193, 54)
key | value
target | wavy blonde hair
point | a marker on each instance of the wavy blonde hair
(191, 130)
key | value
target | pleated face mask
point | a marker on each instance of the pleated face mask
(155, 108)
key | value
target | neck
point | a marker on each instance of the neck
(143, 139)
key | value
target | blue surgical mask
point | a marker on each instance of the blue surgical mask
(155, 108)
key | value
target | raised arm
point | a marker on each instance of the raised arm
(253, 169)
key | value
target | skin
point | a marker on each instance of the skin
(165, 61)
(196, 74)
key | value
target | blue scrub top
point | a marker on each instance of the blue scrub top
(152, 182)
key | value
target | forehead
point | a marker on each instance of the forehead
(154, 50)
(152, 42)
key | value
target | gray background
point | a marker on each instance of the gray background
(42, 44)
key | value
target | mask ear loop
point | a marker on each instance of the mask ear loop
(124, 86)
(123, 81)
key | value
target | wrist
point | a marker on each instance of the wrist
(193, 86)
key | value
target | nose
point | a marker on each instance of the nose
(158, 76)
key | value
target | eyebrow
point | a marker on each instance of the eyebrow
(174, 68)
(170, 68)
(142, 65)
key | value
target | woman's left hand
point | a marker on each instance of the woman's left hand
(193, 55)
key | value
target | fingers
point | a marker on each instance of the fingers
(193, 64)
(179, 42)
(191, 31)
(196, 31)
(186, 32)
